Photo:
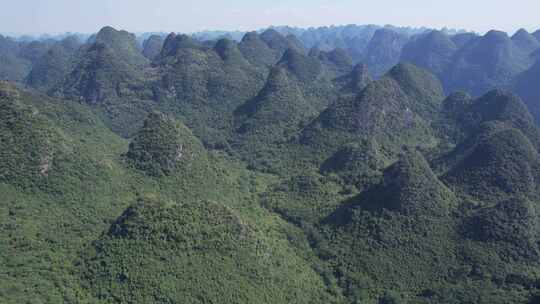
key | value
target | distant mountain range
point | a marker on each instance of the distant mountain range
(462, 60)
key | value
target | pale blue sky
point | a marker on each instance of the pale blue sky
(57, 16)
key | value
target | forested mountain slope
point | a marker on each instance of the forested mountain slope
(267, 171)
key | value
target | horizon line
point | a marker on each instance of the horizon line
(139, 32)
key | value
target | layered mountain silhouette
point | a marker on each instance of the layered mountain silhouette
(257, 51)
(433, 51)
(210, 83)
(450, 55)
(55, 65)
(281, 43)
(279, 107)
(108, 68)
(525, 86)
(355, 81)
(336, 61)
(152, 46)
(384, 50)
(470, 63)
(14, 66)
(390, 110)
(525, 41)
(297, 89)
(489, 61)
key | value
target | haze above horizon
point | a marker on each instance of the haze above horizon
(60, 16)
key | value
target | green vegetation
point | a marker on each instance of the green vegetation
(432, 51)
(204, 86)
(359, 164)
(404, 220)
(495, 163)
(490, 61)
(57, 223)
(256, 172)
(54, 65)
(30, 142)
(107, 69)
(152, 47)
(525, 86)
(201, 252)
(258, 52)
(277, 111)
(391, 111)
(355, 81)
(161, 145)
(384, 50)
(13, 67)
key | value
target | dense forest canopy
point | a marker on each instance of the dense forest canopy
(346, 164)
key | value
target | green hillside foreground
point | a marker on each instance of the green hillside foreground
(60, 227)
